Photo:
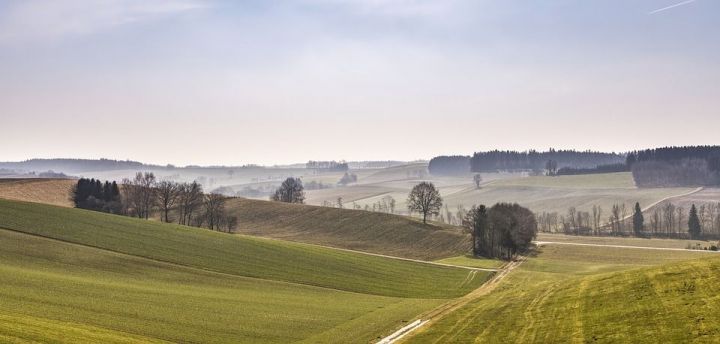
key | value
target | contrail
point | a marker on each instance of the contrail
(671, 6)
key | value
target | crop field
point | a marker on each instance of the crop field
(592, 294)
(97, 277)
(349, 229)
(48, 191)
(538, 193)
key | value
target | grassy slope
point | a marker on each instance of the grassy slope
(238, 255)
(473, 262)
(56, 291)
(588, 294)
(351, 229)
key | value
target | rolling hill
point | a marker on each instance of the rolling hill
(593, 294)
(79, 276)
(350, 229)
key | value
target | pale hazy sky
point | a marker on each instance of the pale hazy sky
(233, 82)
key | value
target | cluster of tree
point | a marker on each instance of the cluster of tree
(449, 165)
(610, 168)
(290, 191)
(327, 166)
(145, 197)
(348, 178)
(533, 160)
(501, 231)
(675, 166)
(95, 195)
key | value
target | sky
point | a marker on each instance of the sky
(275, 82)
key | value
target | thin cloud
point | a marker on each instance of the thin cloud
(671, 6)
(35, 19)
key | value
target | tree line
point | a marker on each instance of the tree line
(666, 220)
(145, 197)
(507, 160)
(327, 166)
(675, 166)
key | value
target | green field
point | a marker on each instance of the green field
(473, 262)
(350, 229)
(593, 294)
(71, 275)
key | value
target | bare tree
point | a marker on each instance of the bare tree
(291, 191)
(477, 179)
(680, 219)
(190, 198)
(425, 199)
(167, 195)
(140, 194)
(214, 206)
(340, 202)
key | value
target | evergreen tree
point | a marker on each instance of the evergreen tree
(638, 219)
(694, 227)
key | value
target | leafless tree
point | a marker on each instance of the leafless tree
(190, 198)
(680, 219)
(425, 199)
(167, 195)
(477, 179)
(140, 194)
(291, 191)
(214, 207)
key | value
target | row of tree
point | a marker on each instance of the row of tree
(145, 197)
(664, 220)
(496, 160)
(675, 166)
(327, 166)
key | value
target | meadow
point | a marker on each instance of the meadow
(592, 294)
(238, 255)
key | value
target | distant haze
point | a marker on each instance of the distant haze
(266, 82)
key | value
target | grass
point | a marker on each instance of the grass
(238, 255)
(350, 229)
(623, 241)
(472, 262)
(593, 294)
(51, 291)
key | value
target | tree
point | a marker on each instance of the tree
(167, 194)
(638, 219)
(425, 199)
(290, 191)
(551, 167)
(214, 206)
(340, 202)
(190, 198)
(476, 221)
(694, 223)
(140, 194)
(477, 179)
